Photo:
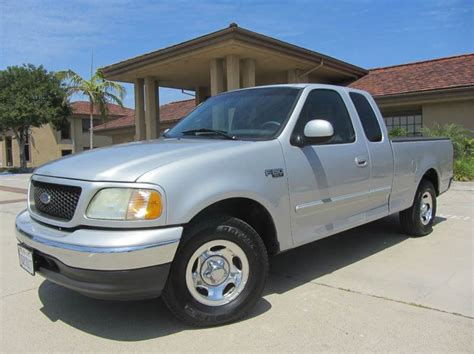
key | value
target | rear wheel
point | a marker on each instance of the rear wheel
(418, 219)
(218, 273)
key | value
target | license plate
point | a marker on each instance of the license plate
(26, 259)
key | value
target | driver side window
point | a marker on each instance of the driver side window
(327, 105)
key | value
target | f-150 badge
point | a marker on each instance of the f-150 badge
(274, 172)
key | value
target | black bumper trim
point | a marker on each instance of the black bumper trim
(133, 284)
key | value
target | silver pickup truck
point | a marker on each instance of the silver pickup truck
(194, 215)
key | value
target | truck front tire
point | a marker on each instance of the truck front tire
(418, 219)
(218, 273)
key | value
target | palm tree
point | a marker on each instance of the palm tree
(99, 90)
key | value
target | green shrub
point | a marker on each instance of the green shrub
(463, 146)
(398, 132)
(462, 142)
(464, 169)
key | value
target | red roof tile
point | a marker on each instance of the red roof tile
(442, 73)
(82, 107)
(169, 112)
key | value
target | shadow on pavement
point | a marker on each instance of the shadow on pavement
(141, 320)
(312, 261)
(117, 320)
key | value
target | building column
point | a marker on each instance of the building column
(152, 108)
(232, 63)
(295, 76)
(140, 131)
(201, 94)
(248, 72)
(217, 76)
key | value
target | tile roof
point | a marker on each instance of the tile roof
(169, 112)
(442, 73)
(82, 107)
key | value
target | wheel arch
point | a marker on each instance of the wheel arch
(249, 210)
(432, 175)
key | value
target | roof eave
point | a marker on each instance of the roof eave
(230, 33)
(438, 95)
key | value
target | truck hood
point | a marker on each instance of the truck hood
(127, 162)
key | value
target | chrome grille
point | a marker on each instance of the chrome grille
(55, 200)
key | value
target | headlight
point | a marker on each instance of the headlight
(125, 204)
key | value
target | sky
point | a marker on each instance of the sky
(63, 34)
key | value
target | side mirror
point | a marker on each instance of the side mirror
(318, 128)
(317, 131)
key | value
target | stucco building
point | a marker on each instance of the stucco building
(418, 94)
(409, 95)
(46, 143)
(122, 130)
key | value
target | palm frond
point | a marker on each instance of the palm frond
(111, 98)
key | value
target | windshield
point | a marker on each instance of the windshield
(255, 114)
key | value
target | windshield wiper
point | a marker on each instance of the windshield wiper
(210, 131)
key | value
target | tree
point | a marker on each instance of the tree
(99, 91)
(30, 97)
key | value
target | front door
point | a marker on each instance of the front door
(329, 183)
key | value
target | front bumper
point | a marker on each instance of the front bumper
(121, 264)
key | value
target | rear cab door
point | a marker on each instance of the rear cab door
(380, 152)
(329, 183)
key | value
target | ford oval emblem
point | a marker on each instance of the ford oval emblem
(45, 198)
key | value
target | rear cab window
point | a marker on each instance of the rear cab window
(367, 117)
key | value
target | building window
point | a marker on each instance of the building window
(66, 131)
(86, 124)
(412, 123)
(66, 152)
(9, 148)
(27, 150)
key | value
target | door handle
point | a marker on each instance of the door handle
(361, 161)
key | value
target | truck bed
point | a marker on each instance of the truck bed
(413, 157)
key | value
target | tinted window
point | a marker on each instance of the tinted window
(367, 117)
(245, 114)
(86, 124)
(66, 130)
(327, 105)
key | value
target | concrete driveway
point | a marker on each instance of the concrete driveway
(369, 289)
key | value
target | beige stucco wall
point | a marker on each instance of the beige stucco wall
(121, 138)
(46, 144)
(127, 135)
(458, 112)
(82, 138)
